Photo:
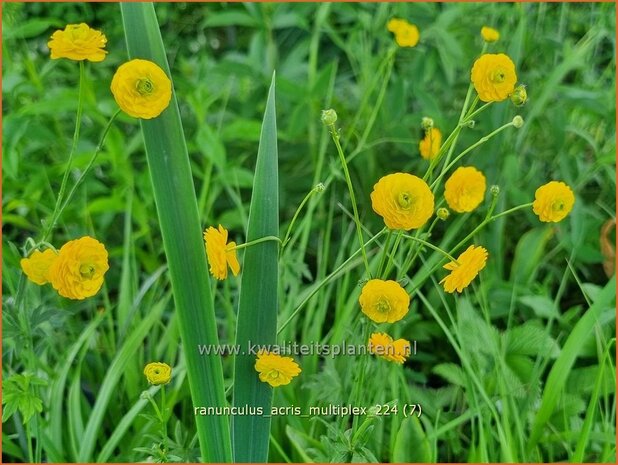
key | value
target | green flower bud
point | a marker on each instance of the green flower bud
(518, 121)
(443, 213)
(426, 123)
(329, 117)
(494, 190)
(320, 187)
(519, 97)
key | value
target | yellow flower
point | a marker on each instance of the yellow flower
(384, 301)
(403, 200)
(275, 369)
(406, 34)
(489, 34)
(37, 265)
(430, 145)
(465, 269)
(158, 373)
(141, 89)
(382, 345)
(493, 76)
(78, 42)
(465, 189)
(553, 201)
(78, 270)
(395, 24)
(220, 253)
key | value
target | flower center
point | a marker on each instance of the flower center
(144, 86)
(498, 76)
(404, 200)
(274, 374)
(383, 306)
(157, 372)
(557, 206)
(86, 271)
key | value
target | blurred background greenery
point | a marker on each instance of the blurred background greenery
(539, 279)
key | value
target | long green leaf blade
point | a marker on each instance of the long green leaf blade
(174, 194)
(257, 307)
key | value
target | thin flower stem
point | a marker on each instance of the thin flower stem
(480, 110)
(163, 418)
(78, 123)
(447, 144)
(385, 252)
(361, 379)
(344, 164)
(298, 210)
(389, 265)
(481, 141)
(431, 246)
(257, 241)
(325, 281)
(81, 178)
(486, 221)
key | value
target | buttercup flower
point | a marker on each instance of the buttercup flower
(489, 34)
(275, 369)
(384, 301)
(382, 345)
(493, 76)
(37, 265)
(220, 253)
(406, 34)
(403, 200)
(141, 89)
(465, 269)
(78, 42)
(553, 202)
(77, 272)
(158, 373)
(430, 145)
(465, 189)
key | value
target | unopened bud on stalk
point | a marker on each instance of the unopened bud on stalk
(518, 121)
(494, 190)
(426, 123)
(443, 213)
(519, 97)
(145, 395)
(470, 123)
(320, 187)
(329, 117)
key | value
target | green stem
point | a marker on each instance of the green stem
(431, 246)
(335, 137)
(361, 380)
(480, 110)
(385, 252)
(29, 439)
(481, 141)
(389, 265)
(257, 241)
(90, 163)
(325, 281)
(317, 188)
(65, 178)
(163, 418)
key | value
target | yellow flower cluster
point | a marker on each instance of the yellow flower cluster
(494, 77)
(429, 146)
(553, 202)
(406, 34)
(275, 369)
(76, 271)
(78, 42)
(382, 345)
(221, 254)
(403, 200)
(158, 373)
(465, 189)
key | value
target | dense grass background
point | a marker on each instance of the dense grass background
(481, 377)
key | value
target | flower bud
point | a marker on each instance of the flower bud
(426, 123)
(489, 34)
(329, 117)
(470, 124)
(518, 121)
(320, 187)
(145, 395)
(442, 213)
(519, 97)
(494, 190)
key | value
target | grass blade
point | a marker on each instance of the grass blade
(174, 194)
(257, 307)
(562, 367)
